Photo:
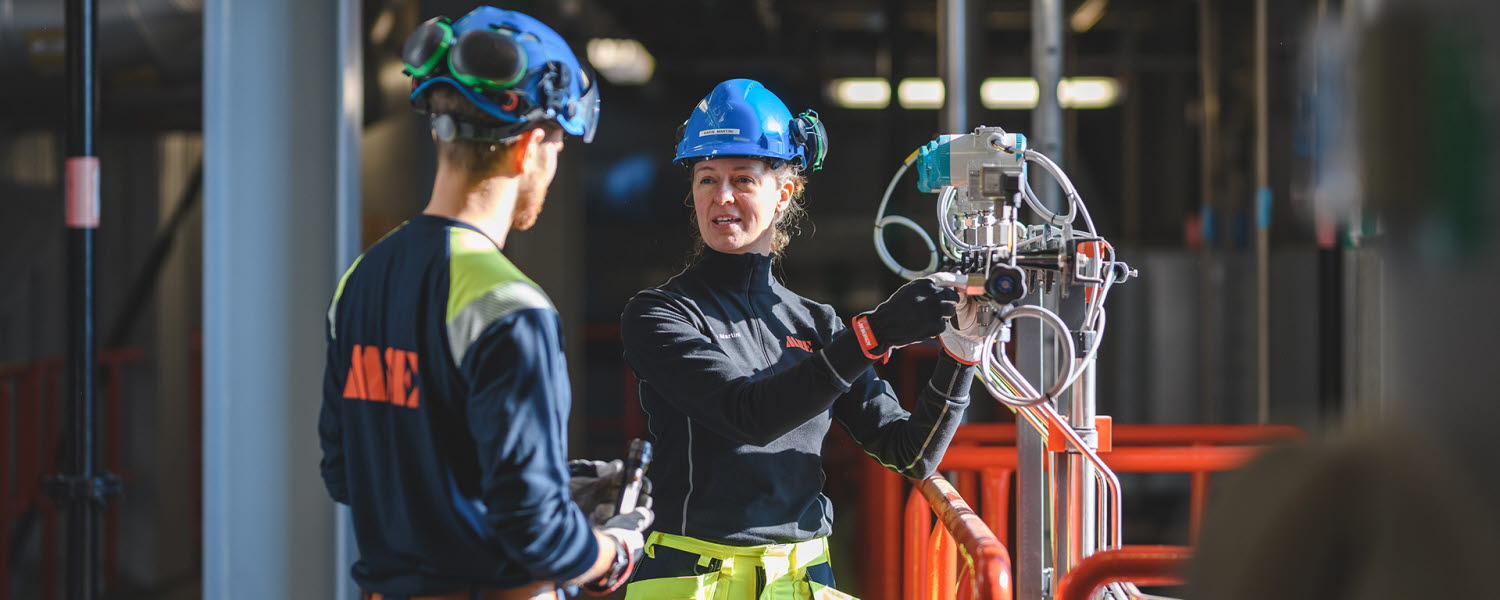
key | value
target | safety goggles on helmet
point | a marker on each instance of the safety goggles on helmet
(511, 66)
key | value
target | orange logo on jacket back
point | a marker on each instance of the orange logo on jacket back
(792, 342)
(392, 380)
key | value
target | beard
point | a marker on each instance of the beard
(529, 201)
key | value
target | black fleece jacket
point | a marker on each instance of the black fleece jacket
(740, 380)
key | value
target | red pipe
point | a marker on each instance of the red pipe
(50, 368)
(5, 474)
(1121, 460)
(1197, 504)
(1142, 435)
(887, 538)
(1142, 565)
(995, 501)
(989, 557)
(914, 532)
(942, 564)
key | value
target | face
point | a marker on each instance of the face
(541, 166)
(737, 201)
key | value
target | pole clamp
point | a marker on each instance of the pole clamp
(1082, 342)
(1100, 438)
(71, 489)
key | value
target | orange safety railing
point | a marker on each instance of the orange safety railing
(1147, 435)
(1135, 565)
(32, 391)
(932, 558)
(1191, 449)
(998, 463)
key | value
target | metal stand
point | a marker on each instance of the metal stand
(81, 490)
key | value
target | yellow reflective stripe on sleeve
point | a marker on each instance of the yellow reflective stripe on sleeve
(475, 266)
(483, 287)
(337, 293)
(466, 326)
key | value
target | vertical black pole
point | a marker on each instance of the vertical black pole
(81, 490)
(1330, 334)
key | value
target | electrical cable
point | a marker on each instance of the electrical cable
(882, 221)
(1062, 180)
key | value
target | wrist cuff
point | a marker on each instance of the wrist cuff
(866, 336)
(961, 360)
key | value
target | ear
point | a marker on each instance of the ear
(786, 196)
(525, 148)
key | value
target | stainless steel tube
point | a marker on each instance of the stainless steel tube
(1047, 67)
(955, 44)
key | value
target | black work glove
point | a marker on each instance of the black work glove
(627, 531)
(917, 311)
(595, 487)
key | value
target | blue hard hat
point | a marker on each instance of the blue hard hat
(740, 117)
(543, 80)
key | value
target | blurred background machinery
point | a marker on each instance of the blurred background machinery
(250, 147)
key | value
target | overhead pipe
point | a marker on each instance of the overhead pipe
(138, 31)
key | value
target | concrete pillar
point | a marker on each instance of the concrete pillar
(273, 121)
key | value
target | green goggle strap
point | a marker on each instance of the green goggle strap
(432, 61)
(817, 143)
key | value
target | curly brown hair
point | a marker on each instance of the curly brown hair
(789, 222)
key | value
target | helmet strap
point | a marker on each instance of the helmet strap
(450, 128)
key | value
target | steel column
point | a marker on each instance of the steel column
(956, 43)
(1208, 144)
(1046, 134)
(349, 120)
(1037, 354)
(1262, 222)
(1077, 502)
(273, 121)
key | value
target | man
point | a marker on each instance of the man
(446, 392)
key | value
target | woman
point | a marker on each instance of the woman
(741, 378)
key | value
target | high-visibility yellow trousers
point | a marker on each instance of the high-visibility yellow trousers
(769, 572)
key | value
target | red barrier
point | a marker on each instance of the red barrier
(914, 542)
(1148, 435)
(32, 389)
(1198, 461)
(7, 373)
(1140, 565)
(933, 568)
(1147, 459)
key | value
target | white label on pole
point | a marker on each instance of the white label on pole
(83, 192)
(718, 132)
